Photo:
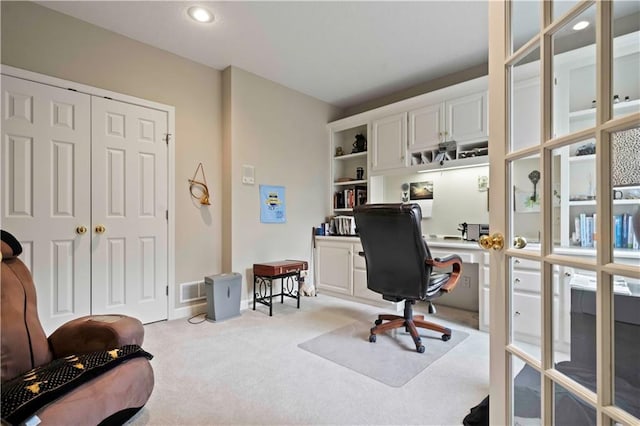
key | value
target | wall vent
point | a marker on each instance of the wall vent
(192, 291)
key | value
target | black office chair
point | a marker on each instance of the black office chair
(399, 266)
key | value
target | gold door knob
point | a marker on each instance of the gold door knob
(80, 230)
(100, 229)
(519, 242)
(495, 241)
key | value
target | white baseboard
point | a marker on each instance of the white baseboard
(191, 310)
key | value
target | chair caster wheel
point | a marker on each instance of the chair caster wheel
(446, 337)
(420, 349)
(372, 338)
(378, 322)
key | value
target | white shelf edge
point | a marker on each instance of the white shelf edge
(592, 111)
(630, 202)
(350, 182)
(580, 158)
(350, 156)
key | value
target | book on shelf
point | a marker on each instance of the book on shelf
(623, 234)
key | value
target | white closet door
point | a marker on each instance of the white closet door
(45, 192)
(129, 200)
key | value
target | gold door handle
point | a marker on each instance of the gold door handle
(495, 241)
(519, 242)
(81, 230)
(100, 229)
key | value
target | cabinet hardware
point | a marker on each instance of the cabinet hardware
(517, 281)
(517, 314)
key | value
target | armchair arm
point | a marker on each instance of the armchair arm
(95, 333)
(455, 262)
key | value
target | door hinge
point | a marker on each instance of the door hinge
(167, 136)
(166, 290)
(166, 214)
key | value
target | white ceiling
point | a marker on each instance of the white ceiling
(343, 53)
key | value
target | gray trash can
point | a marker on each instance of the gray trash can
(223, 296)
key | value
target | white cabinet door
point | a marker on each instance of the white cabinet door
(389, 142)
(425, 127)
(334, 266)
(129, 193)
(45, 192)
(467, 118)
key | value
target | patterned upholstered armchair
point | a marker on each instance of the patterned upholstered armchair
(89, 371)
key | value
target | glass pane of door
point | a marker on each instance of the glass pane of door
(569, 409)
(626, 316)
(525, 101)
(626, 57)
(625, 182)
(526, 184)
(525, 19)
(574, 71)
(574, 324)
(526, 393)
(526, 306)
(574, 199)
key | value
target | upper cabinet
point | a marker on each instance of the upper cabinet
(466, 118)
(389, 142)
(431, 135)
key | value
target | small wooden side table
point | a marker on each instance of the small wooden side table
(288, 271)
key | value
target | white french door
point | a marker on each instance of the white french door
(45, 192)
(129, 199)
(63, 178)
(565, 204)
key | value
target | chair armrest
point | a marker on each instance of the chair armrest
(455, 262)
(95, 333)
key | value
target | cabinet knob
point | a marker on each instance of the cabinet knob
(517, 261)
(517, 313)
(517, 281)
(80, 230)
(100, 229)
(567, 274)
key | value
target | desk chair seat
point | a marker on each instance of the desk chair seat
(400, 266)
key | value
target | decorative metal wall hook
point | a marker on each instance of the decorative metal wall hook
(200, 187)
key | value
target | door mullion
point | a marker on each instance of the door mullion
(604, 292)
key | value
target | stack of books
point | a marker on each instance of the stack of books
(350, 197)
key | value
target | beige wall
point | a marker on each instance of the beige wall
(426, 87)
(41, 40)
(282, 133)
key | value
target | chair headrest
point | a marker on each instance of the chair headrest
(11, 247)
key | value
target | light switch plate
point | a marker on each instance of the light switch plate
(248, 175)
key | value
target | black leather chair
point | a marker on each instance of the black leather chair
(400, 266)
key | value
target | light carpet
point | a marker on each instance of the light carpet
(392, 359)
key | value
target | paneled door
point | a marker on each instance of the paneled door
(84, 189)
(46, 192)
(129, 197)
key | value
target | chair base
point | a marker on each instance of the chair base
(411, 323)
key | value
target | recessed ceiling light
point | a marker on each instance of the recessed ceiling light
(200, 14)
(581, 25)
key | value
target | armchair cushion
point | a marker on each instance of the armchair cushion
(96, 333)
(27, 393)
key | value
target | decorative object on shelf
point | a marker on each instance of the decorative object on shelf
(625, 167)
(339, 151)
(272, 204)
(444, 148)
(199, 189)
(616, 99)
(360, 173)
(534, 177)
(360, 145)
(474, 152)
(405, 192)
(586, 149)
(523, 203)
